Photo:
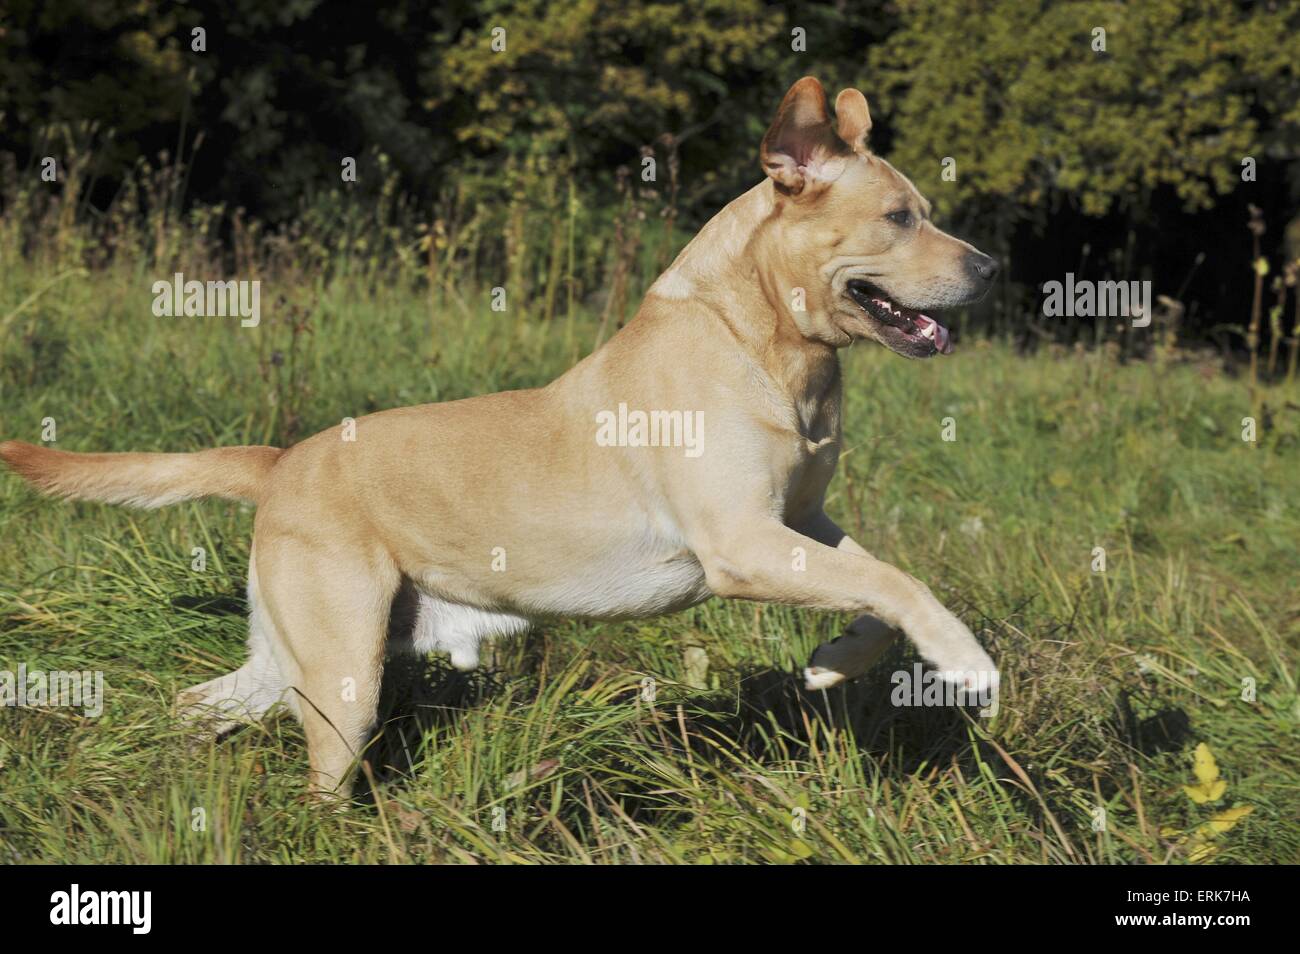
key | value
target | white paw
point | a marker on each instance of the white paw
(815, 677)
(972, 670)
(948, 644)
(465, 658)
(851, 655)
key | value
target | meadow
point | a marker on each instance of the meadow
(556, 752)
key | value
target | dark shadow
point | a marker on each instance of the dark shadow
(773, 704)
(416, 696)
(213, 604)
(1167, 730)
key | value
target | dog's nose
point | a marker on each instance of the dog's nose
(982, 266)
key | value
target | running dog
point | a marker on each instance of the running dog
(499, 510)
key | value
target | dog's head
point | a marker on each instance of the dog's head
(856, 235)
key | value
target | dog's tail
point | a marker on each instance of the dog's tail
(144, 480)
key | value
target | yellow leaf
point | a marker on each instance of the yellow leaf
(1209, 792)
(1226, 819)
(1203, 764)
(1211, 787)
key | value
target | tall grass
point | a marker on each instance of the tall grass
(558, 753)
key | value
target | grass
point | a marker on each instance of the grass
(555, 754)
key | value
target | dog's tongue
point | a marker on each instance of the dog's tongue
(925, 326)
(929, 328)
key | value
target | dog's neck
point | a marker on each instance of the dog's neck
(734, 267)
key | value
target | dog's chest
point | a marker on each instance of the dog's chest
(803, 460)
(642, 570)
(635, 584)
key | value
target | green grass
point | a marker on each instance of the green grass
(1111, 678)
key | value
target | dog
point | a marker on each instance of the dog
(585, 498)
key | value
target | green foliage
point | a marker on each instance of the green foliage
(137, 79)
(551, 82)
(528, 143)
(283, 93)
(598, 86)
(1015, 92)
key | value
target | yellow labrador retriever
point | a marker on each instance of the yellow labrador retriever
(687, 458)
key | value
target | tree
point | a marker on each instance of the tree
(1022, 96)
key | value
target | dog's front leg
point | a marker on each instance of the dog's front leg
(770, 562)
(864, 641)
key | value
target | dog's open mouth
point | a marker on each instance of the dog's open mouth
(916, 329)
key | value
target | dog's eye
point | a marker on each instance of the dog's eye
(902, 218)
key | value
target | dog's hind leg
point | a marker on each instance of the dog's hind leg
(213, 708)
(330, 607)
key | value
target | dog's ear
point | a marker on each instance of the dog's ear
(853, 119)
(800, 142)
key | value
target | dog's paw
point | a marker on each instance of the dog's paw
(816, 677)
(972, 669)
(850, 655)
